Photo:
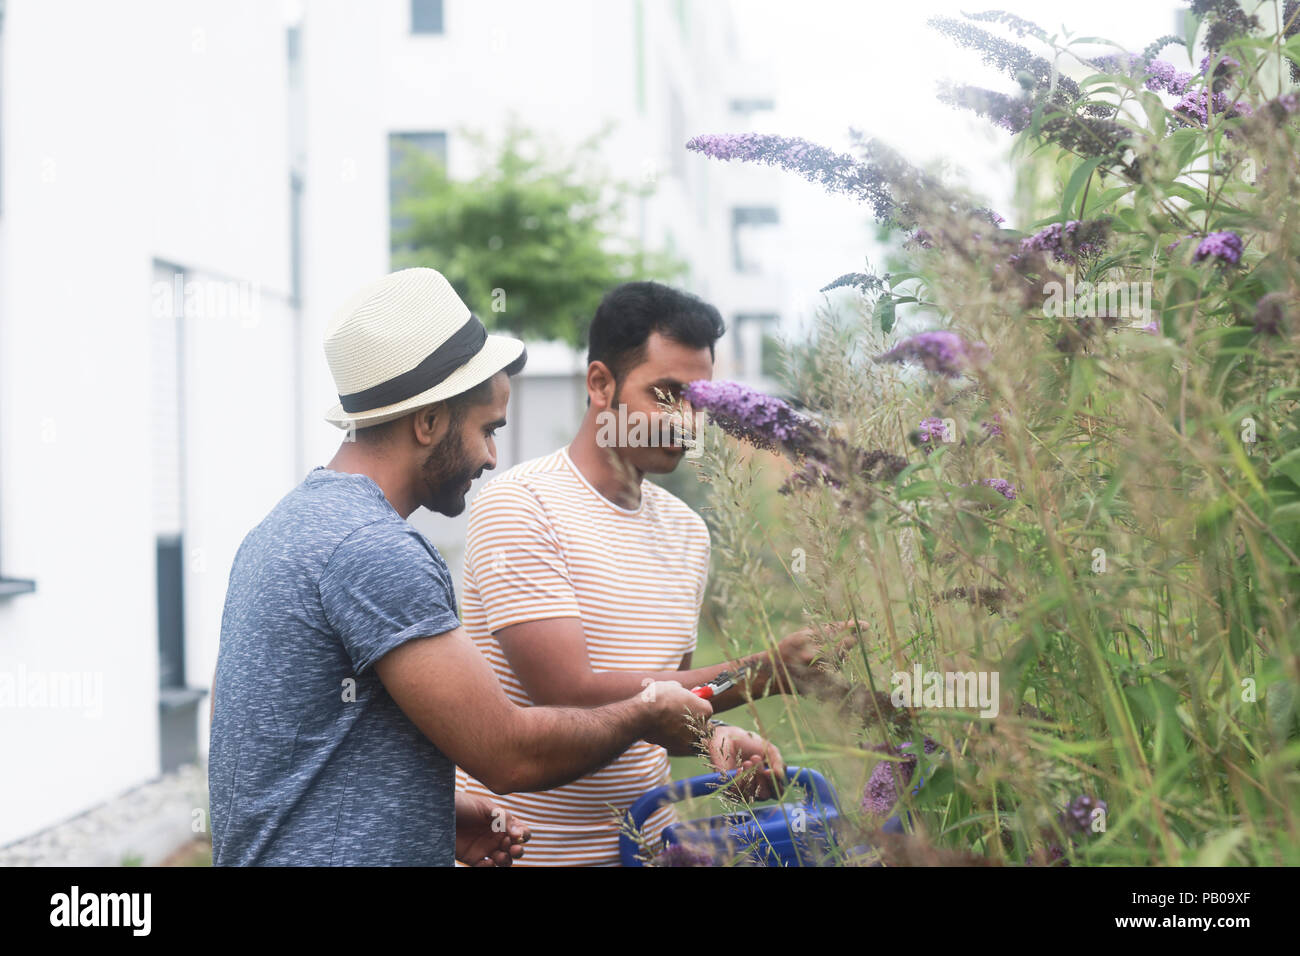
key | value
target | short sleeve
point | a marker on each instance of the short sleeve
(514, 560)
(382, 586)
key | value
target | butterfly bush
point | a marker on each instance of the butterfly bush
(890, 779)
(944, 352)
(1120, 356)
(771, 424)
(932, 430)
(679, 854)
(762, 420)
(1003, 487)
(1162, 77)
(1224, 246)
(1069, 241)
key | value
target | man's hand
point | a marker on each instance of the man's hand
(487, 834)
(670, 703)
(800, 651)
(735, 748)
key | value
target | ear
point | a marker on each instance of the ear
(600, 385)
(429, 423)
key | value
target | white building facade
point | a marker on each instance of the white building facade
(187, 192)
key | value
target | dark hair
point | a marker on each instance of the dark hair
(630, 312)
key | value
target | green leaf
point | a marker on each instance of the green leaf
(1292, 49)
(1289, 465)
(920, 489)
(1285, 514)
(1191, 24)
(1077, 180)
(1106, 197)
(936, 786)
(1185, 143)
(885, 308)
(1157, 114)
(1280, 706)
(1183, 191)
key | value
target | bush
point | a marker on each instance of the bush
(1073, 465)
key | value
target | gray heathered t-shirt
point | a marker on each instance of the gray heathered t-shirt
(303, 770)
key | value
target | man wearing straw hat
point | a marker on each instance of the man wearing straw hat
(346, 691)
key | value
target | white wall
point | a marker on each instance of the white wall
(157, 133)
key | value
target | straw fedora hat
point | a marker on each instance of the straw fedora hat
(406, 341)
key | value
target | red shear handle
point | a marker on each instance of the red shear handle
(704, 691)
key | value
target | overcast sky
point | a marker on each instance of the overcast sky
(876, 65)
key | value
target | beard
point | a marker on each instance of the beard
(446, 472)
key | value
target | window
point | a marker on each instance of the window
(753, 234)
(177, 702)
(405, 150)
(167, 335)
(749, 338)
(426, 16)
(171, 612)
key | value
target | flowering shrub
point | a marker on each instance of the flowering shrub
(1128, 574)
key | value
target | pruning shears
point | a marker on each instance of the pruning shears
(723, 682)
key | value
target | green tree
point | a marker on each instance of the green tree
(533, 241)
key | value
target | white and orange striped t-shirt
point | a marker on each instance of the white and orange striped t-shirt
(543, 543)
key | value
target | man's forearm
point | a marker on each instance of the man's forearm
(600, 687)
(551, 746)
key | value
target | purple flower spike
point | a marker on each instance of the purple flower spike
(1159, 75)
(1287, 103)
(944, 352)
(1162, 77)
(837, 172)
(1076, 818)
(1224, 66)
(761, 420)
(882, 790)
(1225, 246)
(889, 779)
(1003, 487)
(932, 430)
(1068, 241)
(1199, 105)
(679, 854)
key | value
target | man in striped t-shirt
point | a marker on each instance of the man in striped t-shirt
(583, 581)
